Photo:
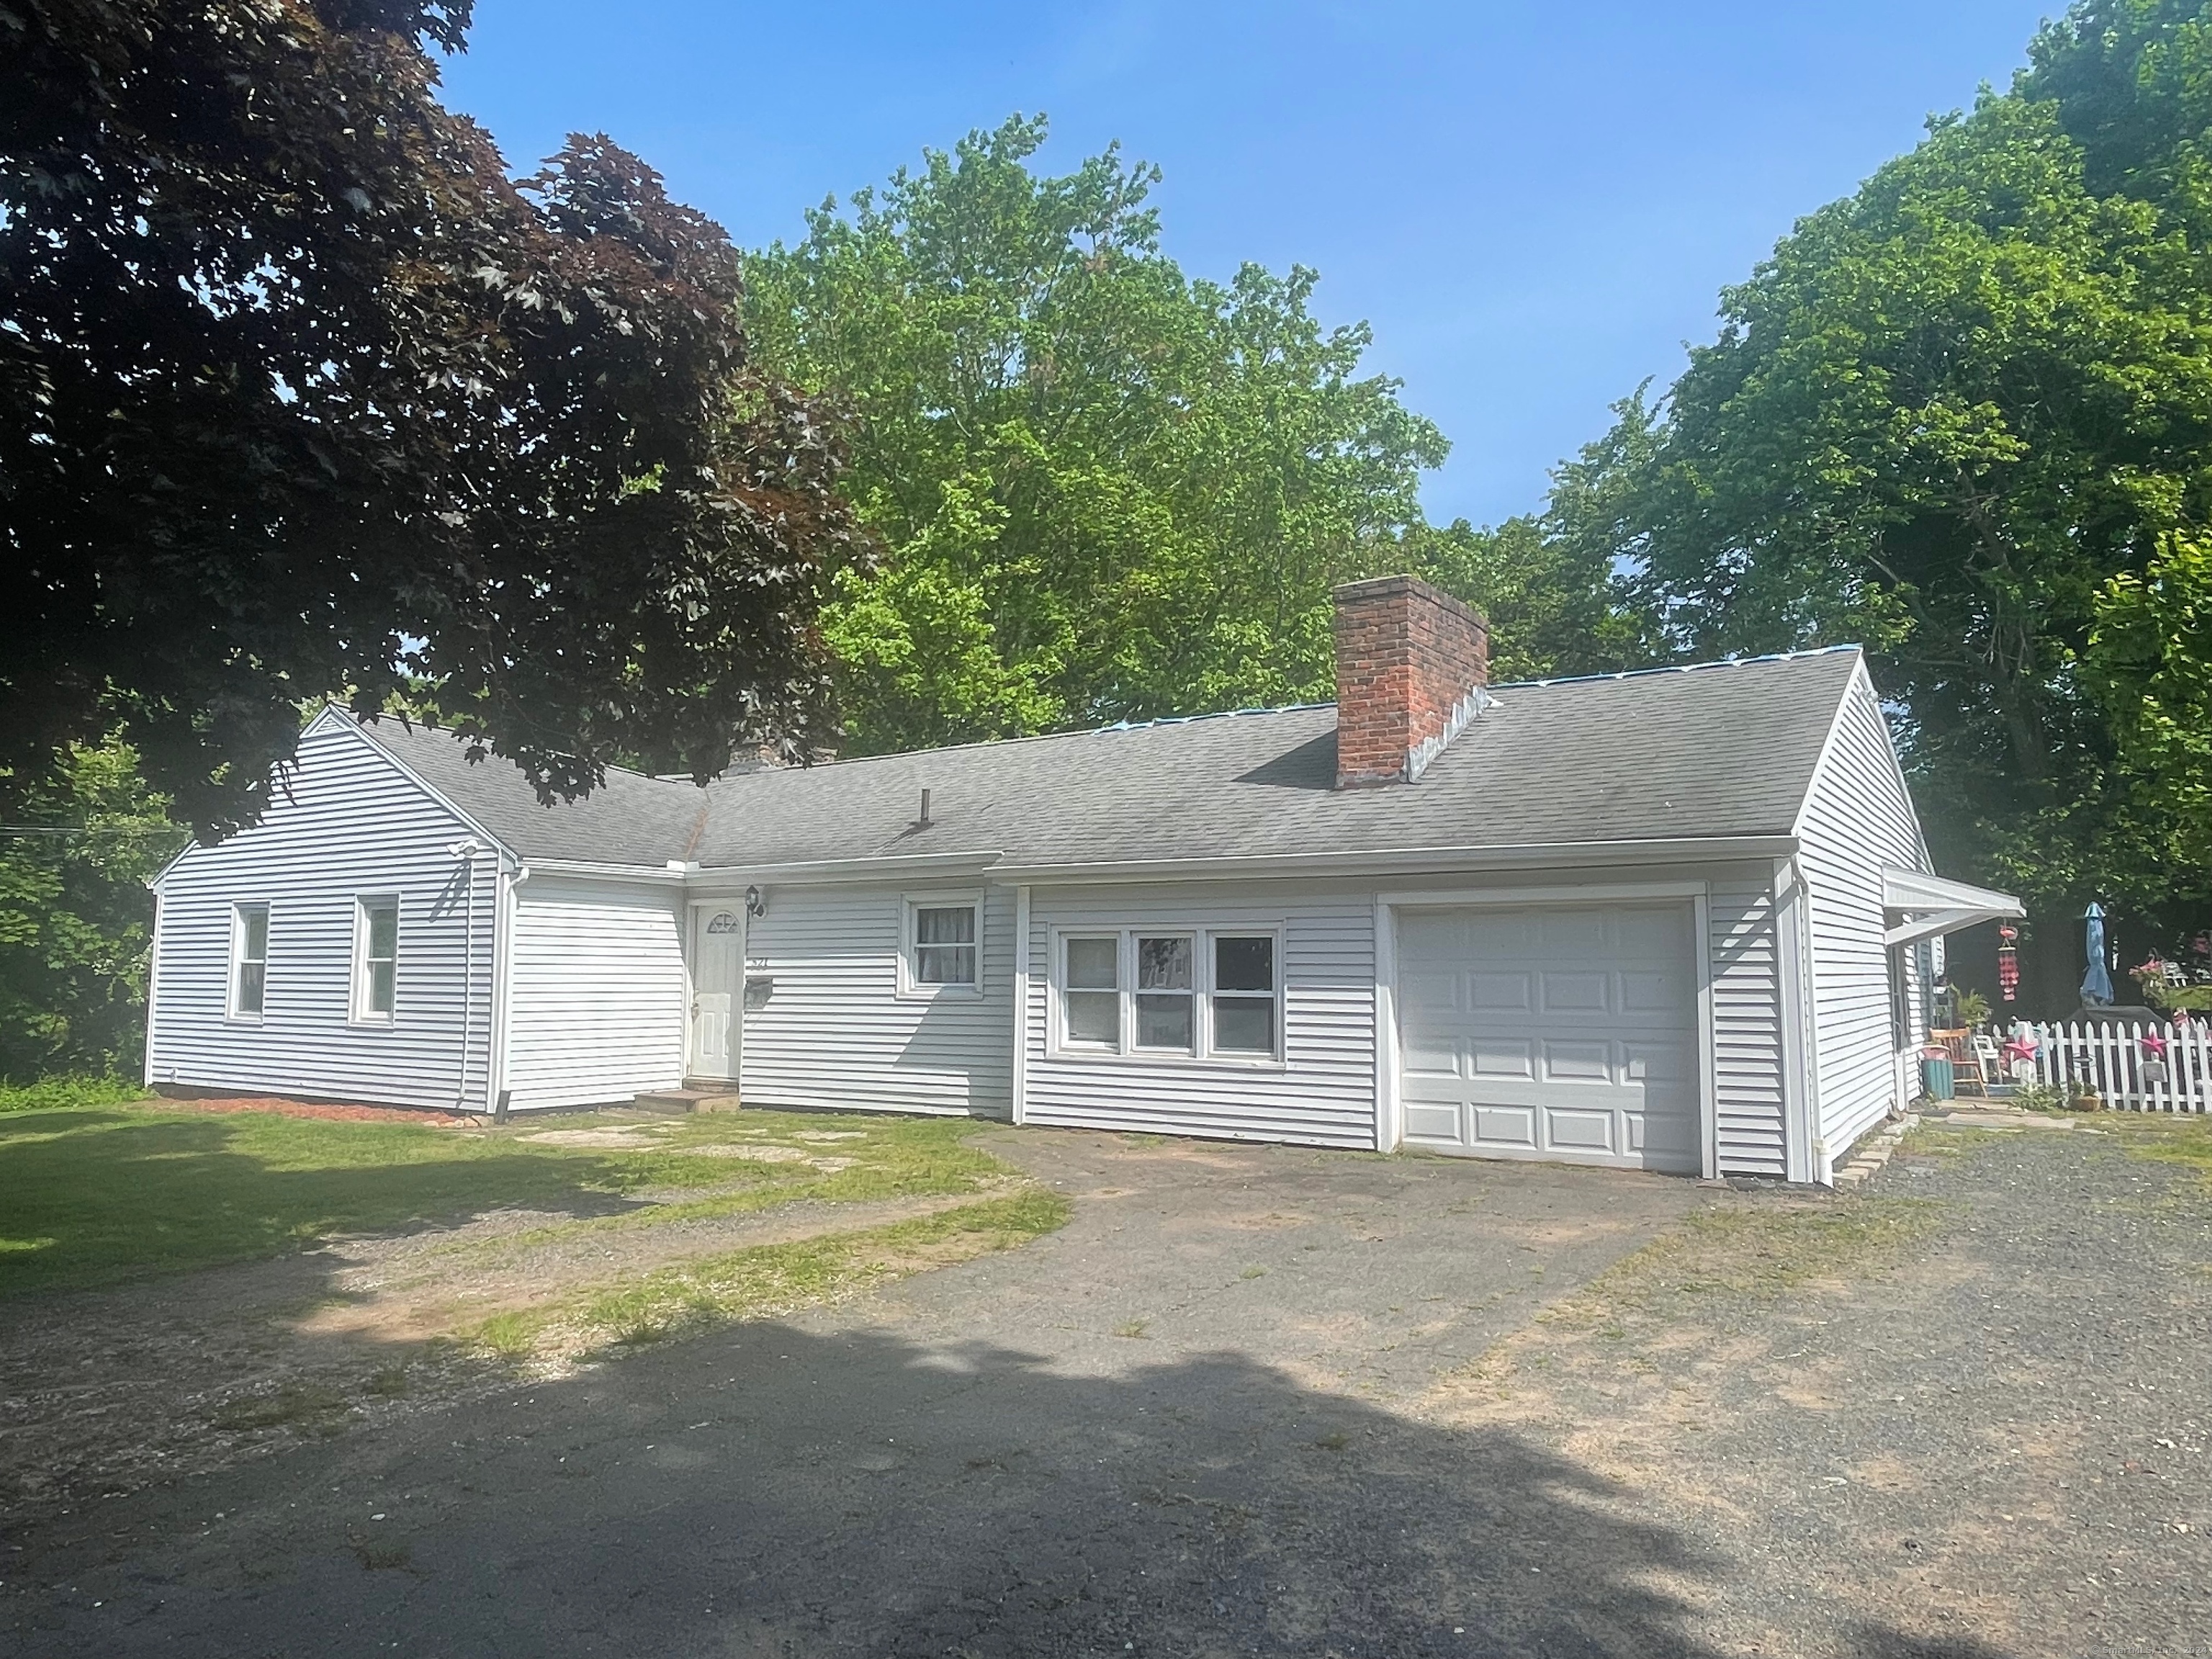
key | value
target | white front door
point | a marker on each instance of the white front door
(1566, 1033)
(718, 975)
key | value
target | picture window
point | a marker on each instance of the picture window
(1202, 994)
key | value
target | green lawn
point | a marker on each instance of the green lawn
(92, 1195)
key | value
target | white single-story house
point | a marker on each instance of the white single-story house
(1675, 919)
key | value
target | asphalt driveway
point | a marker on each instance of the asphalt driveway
(1261, 1400)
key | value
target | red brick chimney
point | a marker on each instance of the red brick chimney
(1411, 661)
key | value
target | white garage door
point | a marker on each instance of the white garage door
(1560, 1033)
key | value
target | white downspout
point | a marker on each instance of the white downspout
(466, 852)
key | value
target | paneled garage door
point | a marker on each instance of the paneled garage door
(1560, 1033)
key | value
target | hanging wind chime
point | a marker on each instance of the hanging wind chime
(2008, 963)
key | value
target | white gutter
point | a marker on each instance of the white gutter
(1690, 849)
(860, 869)
(605, 871)
(1412, 859)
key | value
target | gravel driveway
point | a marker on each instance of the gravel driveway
(1260, 1401)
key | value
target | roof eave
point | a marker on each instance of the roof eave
(860, 869)
(1416, 860)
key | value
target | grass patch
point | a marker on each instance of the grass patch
(1947, 1140)
(94, 1195)
(769, 1280)
(298, 1405)
(2164, 1138)
(1756, 1252)
(48, 1093)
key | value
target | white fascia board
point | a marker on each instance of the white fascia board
(737, 876)
(1916, 889)
(1827, 747)
(1931, 906)
(1940, 922)
(1416, 860)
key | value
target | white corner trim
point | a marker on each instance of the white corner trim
(1709, 1103)
(154, 986)
(1389, 1106)
(1017, 1103)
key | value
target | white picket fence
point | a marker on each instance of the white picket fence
(2112, 1059)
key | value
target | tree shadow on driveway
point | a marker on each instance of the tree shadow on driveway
(772, 1490)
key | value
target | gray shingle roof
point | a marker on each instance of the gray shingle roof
(1718, 750)
(629, 819)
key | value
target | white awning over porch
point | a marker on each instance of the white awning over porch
(1919, 906)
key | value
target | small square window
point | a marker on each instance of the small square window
(944, 945)
(249, 960)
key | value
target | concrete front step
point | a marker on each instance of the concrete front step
(723, 1098)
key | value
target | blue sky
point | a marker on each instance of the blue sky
(1533, 205)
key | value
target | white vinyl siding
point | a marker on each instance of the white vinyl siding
(596, 1014)
(836, 1029)
(347, 823)
(1321, 1093)
(1749, 1114)
(1857, 817)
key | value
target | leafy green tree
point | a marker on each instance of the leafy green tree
(2151, 659)
(1549, 601)
(1941, 417)
(75, 919)
(301, 392)
(1103, 489)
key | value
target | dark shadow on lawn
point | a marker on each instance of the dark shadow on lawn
(90, 1197)
(768, 1491)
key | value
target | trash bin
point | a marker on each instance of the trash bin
(1938, 1077)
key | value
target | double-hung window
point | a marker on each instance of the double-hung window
(944, 940)
(1202, 993)
(1166, 1022)
(376, 960)
(249, 960)
(1091, 1001)
(1244, 988)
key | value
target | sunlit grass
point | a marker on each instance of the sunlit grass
(93, 1195)
(767, 1280)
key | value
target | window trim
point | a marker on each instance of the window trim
(232, 1012)
(358, 1012)
(1202, 931)
(911, 987)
